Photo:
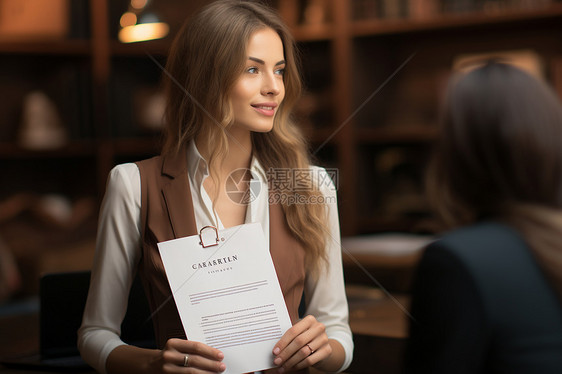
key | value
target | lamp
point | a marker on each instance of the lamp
(139, 24)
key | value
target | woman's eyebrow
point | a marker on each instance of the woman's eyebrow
(262, 62)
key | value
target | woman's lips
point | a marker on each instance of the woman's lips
(267, 109)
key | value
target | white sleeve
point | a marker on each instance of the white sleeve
(117, 254)
(326, 298)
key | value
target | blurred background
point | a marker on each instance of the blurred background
(80, 92)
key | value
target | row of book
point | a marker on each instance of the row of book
(388, 9)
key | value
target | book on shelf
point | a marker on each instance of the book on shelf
(423, 9)
(33, 20)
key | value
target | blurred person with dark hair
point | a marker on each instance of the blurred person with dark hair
(487, 296)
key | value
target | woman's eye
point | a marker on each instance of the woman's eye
(252, 70)
(280, 71)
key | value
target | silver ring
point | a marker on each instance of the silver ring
(311, 350)
(185, 360)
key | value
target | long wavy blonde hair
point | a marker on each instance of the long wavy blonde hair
(206, 58)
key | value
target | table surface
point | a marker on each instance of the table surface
(372, 313)
(375, 313)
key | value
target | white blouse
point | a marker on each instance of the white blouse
(118, 250)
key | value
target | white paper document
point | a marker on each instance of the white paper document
(228, 295)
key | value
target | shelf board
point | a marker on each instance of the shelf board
(319, 136)
(367, 224)
(38, 47)
(399, 134)
(75, 148)
(452, 20)
(307, 33)
(136, 146)
(154, 47)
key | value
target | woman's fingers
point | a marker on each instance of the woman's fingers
(195, 364)
(308, 354)
(300, 327)
(303, 345)
(316, 351)
(195, 355)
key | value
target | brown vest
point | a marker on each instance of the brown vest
(167, 213)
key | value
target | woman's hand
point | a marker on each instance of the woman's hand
(303, 345)
(200, 358)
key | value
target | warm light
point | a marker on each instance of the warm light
(138, 4)
(128, 19)
(143, 32)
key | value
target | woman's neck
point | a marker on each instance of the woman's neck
(239, 150)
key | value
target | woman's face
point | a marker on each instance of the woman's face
(259, 91)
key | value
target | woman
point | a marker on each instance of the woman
(232, 81)
(488, 296)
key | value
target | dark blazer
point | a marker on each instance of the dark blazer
(482, 305)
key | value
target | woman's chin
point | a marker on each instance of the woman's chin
(263, 129)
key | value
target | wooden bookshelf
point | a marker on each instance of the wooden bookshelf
(387, 78)
(75, 148)
(345, 60)
(396, 134)
(142, 49)
(64, 48)
(447, 21)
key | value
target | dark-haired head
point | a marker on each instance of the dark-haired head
(500, 145)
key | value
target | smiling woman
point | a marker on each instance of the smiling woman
(259, 90)
(232, 81)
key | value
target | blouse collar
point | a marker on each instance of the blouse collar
(198, 168)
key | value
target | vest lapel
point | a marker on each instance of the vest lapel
(180, 210)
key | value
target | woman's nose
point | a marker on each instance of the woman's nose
(271, 85)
